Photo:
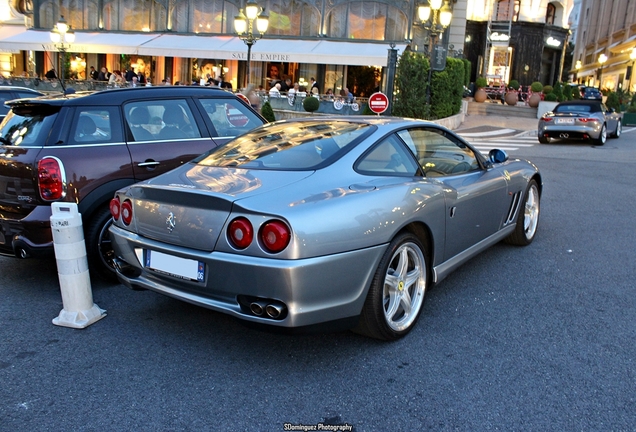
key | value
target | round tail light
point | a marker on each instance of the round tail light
(126, 212)
(240, 233)
(115, 208)
(274, 236)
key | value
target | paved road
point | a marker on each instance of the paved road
(538, 338)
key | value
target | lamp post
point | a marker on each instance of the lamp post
(601, 59)
(62, 37)
(244, 26)
(434, 18)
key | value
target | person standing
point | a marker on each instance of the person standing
(130, 73)
(314, 85)
(93, 74)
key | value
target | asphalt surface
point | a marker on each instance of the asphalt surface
(539, 338)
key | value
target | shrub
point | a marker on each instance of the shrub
(550, 97)
(536, 87)
(268, 112)
(366, 110)
(613, 101)
(514, 84)
(311, 104)
(547, 89)
(567, 92)
(558, 91)
(481, 82)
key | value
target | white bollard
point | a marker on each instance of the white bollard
(72, 268)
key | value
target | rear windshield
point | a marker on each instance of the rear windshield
(27, 127)
(298, 146)
(576, 108)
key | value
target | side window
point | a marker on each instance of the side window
(160, 120)
(92, 126)
(389, 157)
(438, 153)
(229, 117)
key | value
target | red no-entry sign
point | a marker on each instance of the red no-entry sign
(378, 102)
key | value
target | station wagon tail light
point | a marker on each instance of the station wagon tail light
(51, 178)
(115, 208)
(126, 212)
(274, 236)
(240, 233)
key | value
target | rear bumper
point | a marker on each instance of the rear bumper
(570, 132)
(29, 236)
(312, 291)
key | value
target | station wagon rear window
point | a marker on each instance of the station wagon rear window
(27, 127)
(280, 147)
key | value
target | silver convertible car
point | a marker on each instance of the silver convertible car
(588, 120)
(339, 220)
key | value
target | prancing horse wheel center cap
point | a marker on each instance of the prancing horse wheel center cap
(401, 286)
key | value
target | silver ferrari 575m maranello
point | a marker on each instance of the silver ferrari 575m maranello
(340, 220)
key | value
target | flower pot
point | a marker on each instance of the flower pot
(480, 95)
(511, 98)
(534, 100)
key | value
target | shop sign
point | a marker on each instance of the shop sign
(265, 57)
(499, 37)
(553, 42)
(438, 62)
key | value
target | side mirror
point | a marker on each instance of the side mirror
(497, 156)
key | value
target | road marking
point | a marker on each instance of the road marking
(631, 129)
(488, 133)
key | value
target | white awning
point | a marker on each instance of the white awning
(14, 38)
(269, 50)
(318, 51)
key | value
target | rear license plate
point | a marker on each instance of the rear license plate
(565, 121)
(174, 266)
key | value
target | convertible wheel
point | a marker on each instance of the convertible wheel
(99, 249)
(528, 218)
(602, 137)
(618, 131)
(397, 292)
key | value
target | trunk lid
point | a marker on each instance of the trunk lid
(189, 206)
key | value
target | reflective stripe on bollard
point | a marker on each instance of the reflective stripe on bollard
(72, 268)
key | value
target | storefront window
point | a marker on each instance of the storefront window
(205, 16)
(292, 18)
(367, 20)
(132, 15)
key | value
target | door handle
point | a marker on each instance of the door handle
(151, 164)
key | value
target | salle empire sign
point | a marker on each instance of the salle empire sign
(262, 57)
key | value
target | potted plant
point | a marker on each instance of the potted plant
(512, 96)
(536, 88)
(480, 94)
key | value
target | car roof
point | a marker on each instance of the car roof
(580, 102)
(118, 96)
(18, 88)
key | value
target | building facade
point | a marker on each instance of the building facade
(605, 28)
(339, 42)
(524, 40)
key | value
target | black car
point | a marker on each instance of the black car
(591, 93)
(8, 93)
(83, 147)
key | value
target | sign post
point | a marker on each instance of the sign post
(378, 102)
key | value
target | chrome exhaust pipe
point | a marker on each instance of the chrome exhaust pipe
(273, 310)
(258, 308)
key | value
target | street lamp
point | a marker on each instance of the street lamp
(434, 18)
(601, 59)
(62, 37)
(244, 26)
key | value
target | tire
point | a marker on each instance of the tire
(602, 137)
(527, 219)
(98, 246)
(544, 140)
(396, 295)
(619, 130)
